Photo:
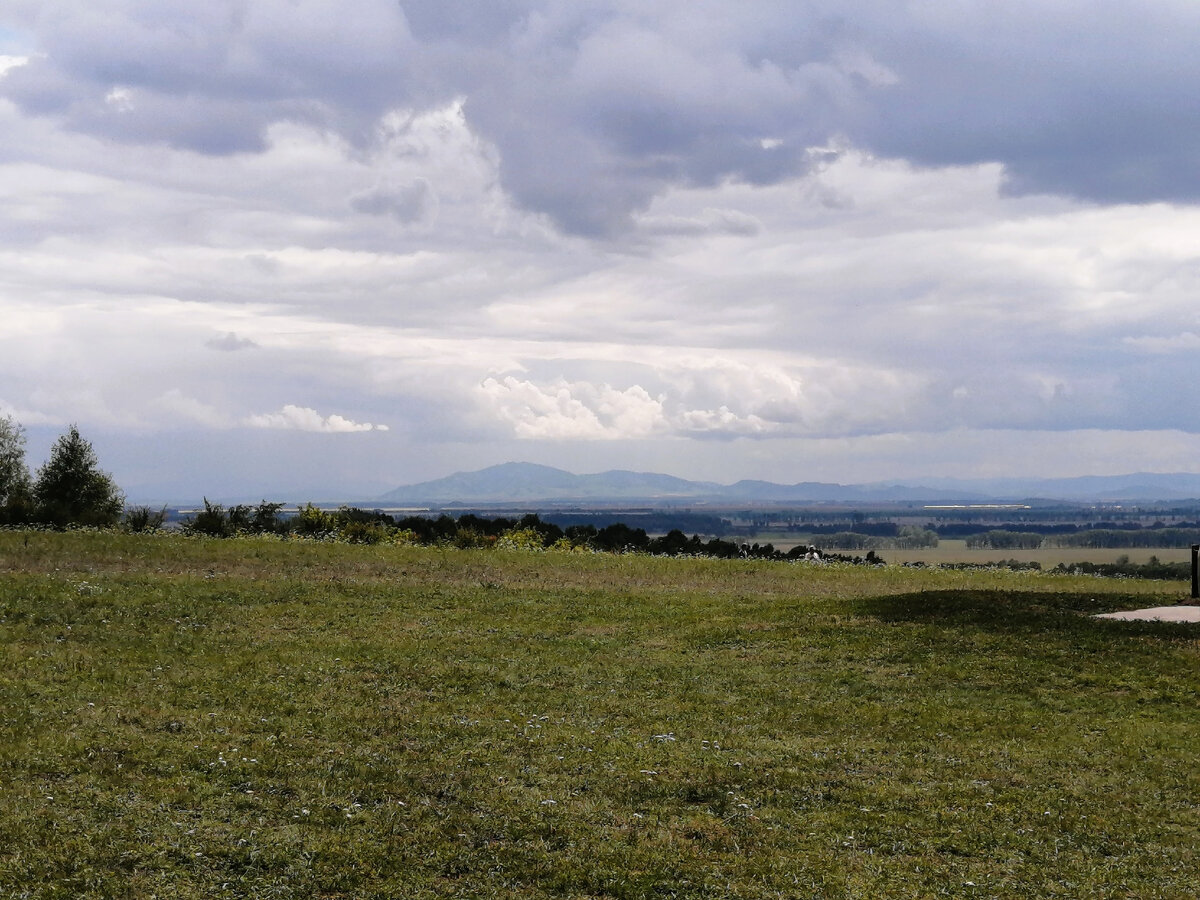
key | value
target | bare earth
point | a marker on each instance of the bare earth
(1158, 614)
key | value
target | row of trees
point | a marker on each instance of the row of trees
(530, 532)
(70, 489)
(908, 537)
(1091, 539)
(1113, 538)
(1005, 540)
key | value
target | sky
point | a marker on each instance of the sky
(300, 249)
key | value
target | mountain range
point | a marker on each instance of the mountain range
(522, 483)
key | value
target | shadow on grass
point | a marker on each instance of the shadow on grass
(1021, 611)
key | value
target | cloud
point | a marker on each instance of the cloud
(8, 63)
(229, 342)
(595, 111)
(1176, 343)
(411, 202)
(706, 397)
(710, 221)
(213, 78)
(573, 411)
(175, 405)
(302, 418)
(26, 417)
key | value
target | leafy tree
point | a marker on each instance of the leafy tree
(673, 543)
(70, 488)
(15, 485)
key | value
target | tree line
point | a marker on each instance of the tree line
(530, 532)
(1091, 539)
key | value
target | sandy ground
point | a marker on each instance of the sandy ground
(1158, 614)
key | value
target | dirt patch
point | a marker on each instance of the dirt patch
(1157, 614)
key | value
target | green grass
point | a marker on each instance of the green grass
(197, 718)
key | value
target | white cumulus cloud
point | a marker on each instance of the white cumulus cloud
(302, 418)
(565, 410)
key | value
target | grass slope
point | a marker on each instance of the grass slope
(192, 718)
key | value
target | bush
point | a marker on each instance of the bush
(139, 519)
(521, 539)
(467, 537)
(312, 521)
(261, 519)
(355, 531)
(213, 521)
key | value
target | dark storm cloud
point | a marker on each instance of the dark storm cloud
(596, 108)
(1089, 99)
(212, 77)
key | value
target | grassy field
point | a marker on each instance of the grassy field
(196, 718)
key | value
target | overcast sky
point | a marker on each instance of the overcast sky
(305, 249)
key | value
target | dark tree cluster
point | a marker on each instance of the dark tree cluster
(217, 521)
(355, 525)
(69, 489)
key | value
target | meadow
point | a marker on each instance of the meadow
(196, 718)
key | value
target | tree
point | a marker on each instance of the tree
(15, 484)
(70, 488)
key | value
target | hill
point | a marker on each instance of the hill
(519, 482)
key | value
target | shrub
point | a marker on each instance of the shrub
(213, 521)
(358, 532)
(312, 521)
(521, 539)
(139, 519)
(403, 537)
(466, 538)
(261, 519)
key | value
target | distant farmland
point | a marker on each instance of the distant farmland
(956, 551)
(949, 551)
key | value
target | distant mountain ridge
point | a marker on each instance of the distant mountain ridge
(519, 482)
